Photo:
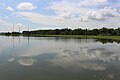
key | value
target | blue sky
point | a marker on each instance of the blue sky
(52, 14)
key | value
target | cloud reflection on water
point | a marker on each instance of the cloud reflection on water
(26, 62)
(87, 56)
(74, 53)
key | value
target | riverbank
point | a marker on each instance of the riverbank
(70, 36)
(79, 36)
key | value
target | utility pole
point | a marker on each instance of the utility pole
(19, 32)
(28, 36)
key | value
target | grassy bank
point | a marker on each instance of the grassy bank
(79, 36)
(68, 36)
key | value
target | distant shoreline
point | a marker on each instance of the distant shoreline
(72, 36)
(103, 33)
(79, 36)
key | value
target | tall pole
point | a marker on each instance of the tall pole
(19, 32)
(13, 40)
(28, 36)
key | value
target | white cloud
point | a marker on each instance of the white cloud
(9, 8)
(26, 6)
(67, 13)
(102, 14)
(71, 14)
(93, 2)
(43, 19)
(101, 0)
(67, 10)
(70, 23)
(37, 18)
(94, 15)
(109, 12)
(61, 7)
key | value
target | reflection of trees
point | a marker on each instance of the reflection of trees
(104, 41)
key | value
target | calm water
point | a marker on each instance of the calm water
(43, 58)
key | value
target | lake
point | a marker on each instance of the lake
(53, 58)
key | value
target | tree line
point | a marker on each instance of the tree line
(79, 31)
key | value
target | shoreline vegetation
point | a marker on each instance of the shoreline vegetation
(103, 33)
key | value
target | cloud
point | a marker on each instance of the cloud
(91, 21)
(94, 15)
(109, 12)
(64, 13)
(67, 10)
(93, 3)
(61, 7)
(72, 14)
(101, 0)
(9, 8)
(48, 20)
(37, 18)
(102, 14)
(26, 6)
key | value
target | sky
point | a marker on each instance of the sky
(52, 14)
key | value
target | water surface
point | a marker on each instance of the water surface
(52, 58)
